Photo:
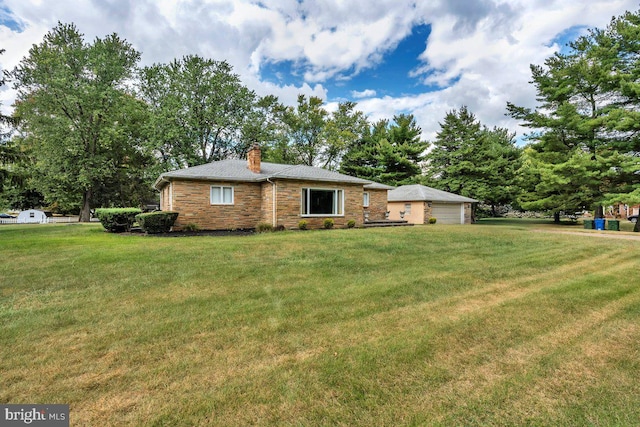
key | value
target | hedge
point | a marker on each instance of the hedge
(117, 220)
(157, 222)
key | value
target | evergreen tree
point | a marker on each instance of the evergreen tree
(585, 145)
(471, 160)
(459, 134)
(362, 159)
(402, 152)
(389, 153)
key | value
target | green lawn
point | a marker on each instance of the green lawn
(490, 324)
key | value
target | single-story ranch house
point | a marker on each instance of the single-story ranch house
(417, 203)
(238, 194)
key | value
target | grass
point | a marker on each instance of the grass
(490, 324)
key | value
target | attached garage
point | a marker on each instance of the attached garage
(418, 203)
(448, 213)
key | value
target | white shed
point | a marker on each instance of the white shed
(32, 216)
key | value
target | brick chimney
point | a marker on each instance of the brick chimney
(253, 158)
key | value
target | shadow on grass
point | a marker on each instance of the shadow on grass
(565, 224)
(531, 222)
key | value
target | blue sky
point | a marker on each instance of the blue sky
(388, 77)
(390, 56)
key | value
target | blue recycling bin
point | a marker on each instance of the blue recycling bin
(599, 223)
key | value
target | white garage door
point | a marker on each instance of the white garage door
(447, 213)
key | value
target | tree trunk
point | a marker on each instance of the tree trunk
(493, 210)
(85, 211)
(599, 212)
(636, 227)
(556, 217)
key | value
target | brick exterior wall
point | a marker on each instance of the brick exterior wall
(467, 213)
(427, 212)
(253, 159)
(377, 204)
(253, 203)
(165, 204)
(289, 200)
(266, 208)
(192, 200)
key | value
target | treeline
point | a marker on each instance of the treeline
(91, 128)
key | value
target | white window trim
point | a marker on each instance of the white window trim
(221, 187)
(366, 199)
(335, 190)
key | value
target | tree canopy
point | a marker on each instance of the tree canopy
(389, 153)
(77, 113)
(90, 128)
(474, 161)
(199, 109)
(585, 145)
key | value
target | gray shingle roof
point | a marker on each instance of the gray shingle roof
(417, 192)
(377, 186)
(237, 170)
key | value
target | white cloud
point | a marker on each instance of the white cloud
(367, 93)
(478, 52)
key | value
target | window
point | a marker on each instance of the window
(407, 208)
(316, 201)
(221, 195)
(365, 202)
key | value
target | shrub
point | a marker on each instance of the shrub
(302, 225)
(157, 222)
(432, 220)
(328, 223)
(351, 223)
(264, 227)
(117, 220)
(280, 228)
(191, 227)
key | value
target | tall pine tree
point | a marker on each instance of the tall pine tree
(471, 160)
(390, 153)
(585, 143)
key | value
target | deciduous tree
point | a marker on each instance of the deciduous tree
(199, 109)
(305, 129)
(74, 107)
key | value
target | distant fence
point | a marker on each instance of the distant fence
(48, 220)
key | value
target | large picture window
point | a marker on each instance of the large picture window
(321, 202)
(221, 195)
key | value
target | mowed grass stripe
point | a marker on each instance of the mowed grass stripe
(479, 325)
(461, 351)
(557, 368)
